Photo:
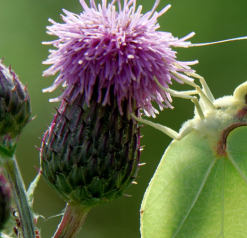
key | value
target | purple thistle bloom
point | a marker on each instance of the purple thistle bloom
(120, 49)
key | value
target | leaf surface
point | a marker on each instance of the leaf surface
(196, 193)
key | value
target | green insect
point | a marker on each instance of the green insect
(200, 186)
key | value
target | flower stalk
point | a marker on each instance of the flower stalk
(73, 219)
(19, 192)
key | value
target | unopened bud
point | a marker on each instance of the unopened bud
(15, 106)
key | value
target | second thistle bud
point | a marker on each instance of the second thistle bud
(89, 155)
(15, 109)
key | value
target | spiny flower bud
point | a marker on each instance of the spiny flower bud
(5, 201)
(15, 106)
(89, 155)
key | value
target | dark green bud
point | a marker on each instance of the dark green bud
(5, 201)
(89, 155)
(15, 109)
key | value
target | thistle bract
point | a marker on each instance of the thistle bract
(89, 155)
(120, 48)
(15, 109)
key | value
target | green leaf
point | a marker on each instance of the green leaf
(32, 187)
(237, 150)
(196, 193)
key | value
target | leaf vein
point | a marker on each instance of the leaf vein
(196, 197)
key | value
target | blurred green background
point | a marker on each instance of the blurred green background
(22, 27)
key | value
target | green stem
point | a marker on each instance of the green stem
(72, 221)
(19, 192)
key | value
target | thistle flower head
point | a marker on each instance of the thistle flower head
(119, 49)
(15, 109)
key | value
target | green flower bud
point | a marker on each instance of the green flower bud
(89, 155)
(15, 106)
(5, 201)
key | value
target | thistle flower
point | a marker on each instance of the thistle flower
(111, 63)
(118, 49)
(15, 109)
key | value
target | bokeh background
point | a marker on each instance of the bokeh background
(224, 66)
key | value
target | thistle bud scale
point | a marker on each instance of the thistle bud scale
(90, 154)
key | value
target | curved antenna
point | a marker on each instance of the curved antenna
(218, 42)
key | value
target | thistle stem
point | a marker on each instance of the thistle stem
(72, 221)
(21, 201)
